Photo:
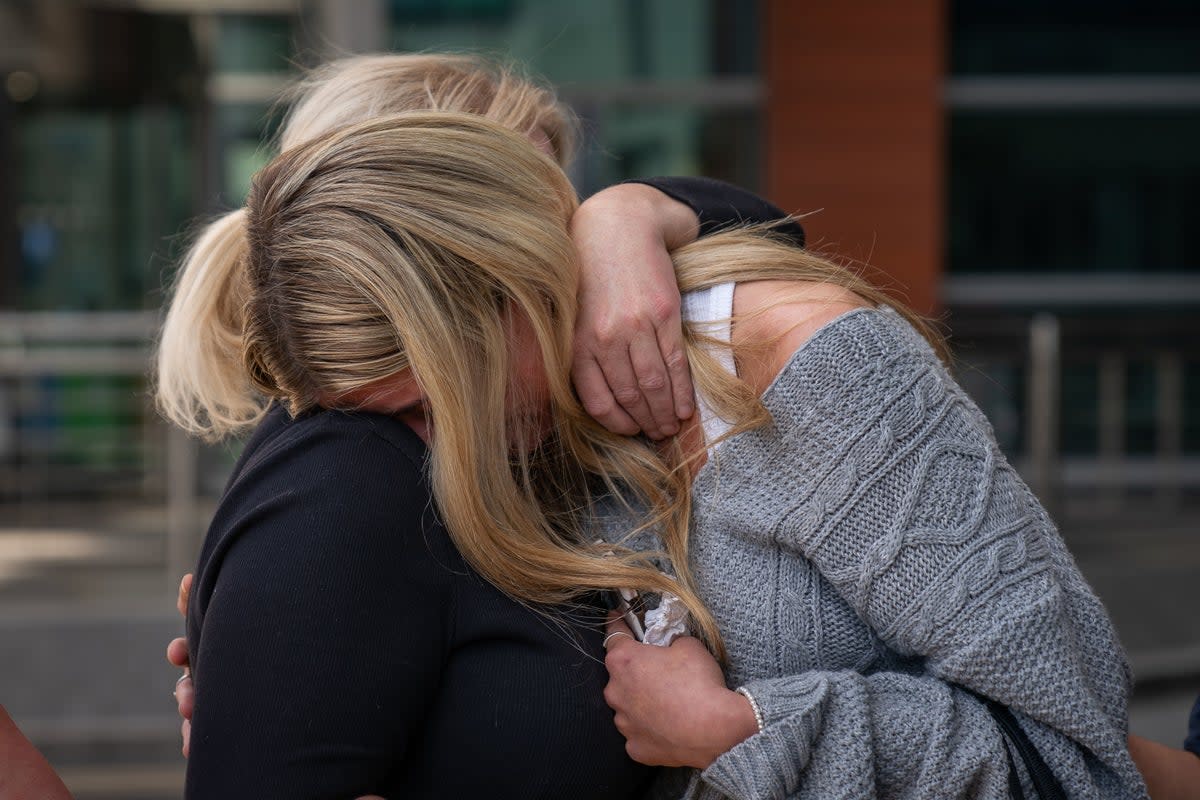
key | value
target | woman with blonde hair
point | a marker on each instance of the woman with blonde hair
(628, 351)
(843, 531)
(341, 643)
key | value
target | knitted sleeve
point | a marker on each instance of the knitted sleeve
(846, 734)
(890, 483)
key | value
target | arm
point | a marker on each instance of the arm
(322, 635)
(629, 367)
(897, 494)
(1192, 742)
(1170, 774)
(25, 773)
(903, 502)
(824, 733)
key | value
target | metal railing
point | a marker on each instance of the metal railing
(1038, 347)
(45, 357)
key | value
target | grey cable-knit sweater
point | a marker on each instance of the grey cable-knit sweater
(871, 552)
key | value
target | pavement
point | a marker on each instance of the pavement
(86, 611)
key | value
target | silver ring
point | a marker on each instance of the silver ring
(616, 633)
(182, 678)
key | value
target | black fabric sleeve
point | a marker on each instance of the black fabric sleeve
(719, 205)
(325, 622)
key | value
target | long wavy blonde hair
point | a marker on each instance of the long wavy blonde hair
(410, 242)
(203, 332)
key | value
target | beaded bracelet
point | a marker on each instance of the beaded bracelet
(758, 717)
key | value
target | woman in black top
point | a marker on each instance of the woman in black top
(341, 644)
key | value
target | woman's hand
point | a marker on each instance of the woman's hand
(630, 367)
(670, 703)
(177, 654)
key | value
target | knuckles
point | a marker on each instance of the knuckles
(675, 359)
(627, 395)
(616, 661)
(652, 382)
(597, 405)
(662, 308)
(637, 752)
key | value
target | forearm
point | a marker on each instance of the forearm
(639, 209)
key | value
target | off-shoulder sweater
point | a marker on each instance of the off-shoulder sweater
(870, 556)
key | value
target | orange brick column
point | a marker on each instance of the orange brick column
(855, 127)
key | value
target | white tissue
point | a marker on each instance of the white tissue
(667, 622)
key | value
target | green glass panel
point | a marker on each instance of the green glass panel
(596, 53)
(99, 193)
(253, 44)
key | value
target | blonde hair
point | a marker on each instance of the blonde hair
(363, 87)
(413, 241)
(198, 386)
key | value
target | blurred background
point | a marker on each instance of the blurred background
(1025, 170)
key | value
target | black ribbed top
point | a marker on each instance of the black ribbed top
(341, 646)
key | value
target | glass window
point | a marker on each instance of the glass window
(636, 71)
(1070, 137)
(1074, 192)
(1032, 37)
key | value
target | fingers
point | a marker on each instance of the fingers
(674, 357)
(622, 383)
(616, 633)
(635, 378)
(185, 589)
(631, 377)
(654, 386)
(185, 696)
(597, 398)
(177, 653)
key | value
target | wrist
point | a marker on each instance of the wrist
(734, 722)
(674, 223)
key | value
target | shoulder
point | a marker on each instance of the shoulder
(328, 514)
(777, 318)
(330, 491)
(317, 434)
(329, 455)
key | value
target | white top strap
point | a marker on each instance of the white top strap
(711, 310)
